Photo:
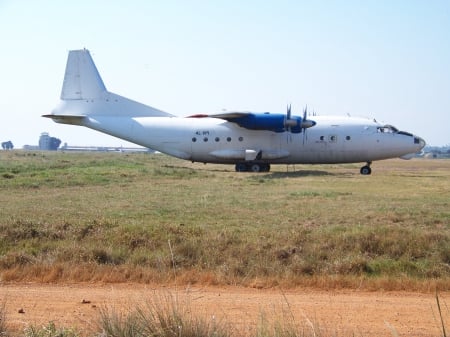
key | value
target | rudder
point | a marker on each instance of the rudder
(81, 79)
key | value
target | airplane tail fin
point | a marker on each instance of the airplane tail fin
(81, 79)
(84, 95)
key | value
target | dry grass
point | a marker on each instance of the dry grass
(161, 317)
(109, 217)
(50, 330)
(168, 317)
(3, 327)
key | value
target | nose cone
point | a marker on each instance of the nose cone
(410, 149)
(307, 123)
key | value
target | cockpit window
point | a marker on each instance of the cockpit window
(405, 133)
(387, 129)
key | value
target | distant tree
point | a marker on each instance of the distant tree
(7, 145)
(54, 143)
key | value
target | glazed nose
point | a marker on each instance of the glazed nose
(420, 141)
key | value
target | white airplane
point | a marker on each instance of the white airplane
(251, 141)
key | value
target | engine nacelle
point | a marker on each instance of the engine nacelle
(272, 122)
(264, 121)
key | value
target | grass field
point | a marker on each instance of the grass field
(116, 217)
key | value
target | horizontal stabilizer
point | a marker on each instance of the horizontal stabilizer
(66, 119)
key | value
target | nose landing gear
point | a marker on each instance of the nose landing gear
(366, 170)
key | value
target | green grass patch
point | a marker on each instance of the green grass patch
(145, 216)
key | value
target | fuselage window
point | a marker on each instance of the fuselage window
(205, 139)
(322, 137)
(217, 139)
(228, 139)
(194, 139)
(348, 138)
(241, 139)
(333, 138)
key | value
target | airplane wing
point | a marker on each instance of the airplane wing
(259, 121)
(229, 116)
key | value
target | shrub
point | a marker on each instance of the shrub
(164, 317)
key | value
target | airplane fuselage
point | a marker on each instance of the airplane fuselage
(212, 140)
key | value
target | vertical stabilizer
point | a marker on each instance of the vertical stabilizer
(81, 80)
(84, 94)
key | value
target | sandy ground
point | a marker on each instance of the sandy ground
(341, 313)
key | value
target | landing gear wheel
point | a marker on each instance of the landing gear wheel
(365, 170)
(265, 167)
(256, 168)
(252, 167)
(241, 167)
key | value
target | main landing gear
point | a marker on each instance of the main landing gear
(366, 170)
(252, 167)
(265, 167)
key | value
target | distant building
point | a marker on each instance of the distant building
(437, 151)
(48, 143)
(44, 141)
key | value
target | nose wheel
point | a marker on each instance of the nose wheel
(366, 170)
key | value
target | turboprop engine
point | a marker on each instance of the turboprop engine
(267, 121)
(272, 122)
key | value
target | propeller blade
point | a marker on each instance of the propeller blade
(288, 118)
(305, 122)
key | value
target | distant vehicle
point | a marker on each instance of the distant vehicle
(251, 141)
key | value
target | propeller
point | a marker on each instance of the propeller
(289, 122)
(306, 123)
(297, 122)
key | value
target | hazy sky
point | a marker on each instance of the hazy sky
(384, 59)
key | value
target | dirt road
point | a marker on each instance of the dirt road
(341, 313)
